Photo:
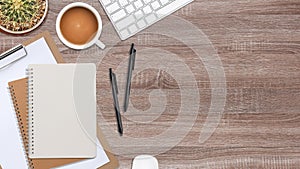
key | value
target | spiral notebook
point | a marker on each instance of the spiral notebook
(19, 95)
(62, 110)
(12, 154)
(18, 91)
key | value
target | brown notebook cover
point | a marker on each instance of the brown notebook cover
(18, 91)
(20, 103)
(19, 96)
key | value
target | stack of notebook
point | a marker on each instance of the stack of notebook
(19, 95)
(56, 113)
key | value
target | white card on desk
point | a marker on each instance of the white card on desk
(100, 160)
(11, 150)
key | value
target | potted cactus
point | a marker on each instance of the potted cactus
(22, 16)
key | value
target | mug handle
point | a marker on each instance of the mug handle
(100, 44)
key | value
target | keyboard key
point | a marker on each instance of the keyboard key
(170, 8)
(118, 15)
(151, 18)
(141, 24)
(138, 4)
(125, 22)
(163, 2)
(138, 14)
(155, 5)
(106, 2)
(113, 7)
(129, 8)
(147, 10)
(124, 33)
(147, 1)
(123, 2)
(133, 28)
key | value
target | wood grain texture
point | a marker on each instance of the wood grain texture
(258, 42)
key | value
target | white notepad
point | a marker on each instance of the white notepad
(62, 111)
(11, 150)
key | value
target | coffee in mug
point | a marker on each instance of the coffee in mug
(79, 26)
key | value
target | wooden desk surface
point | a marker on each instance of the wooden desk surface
(258, 44)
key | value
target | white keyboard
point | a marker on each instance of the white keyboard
(131, 16)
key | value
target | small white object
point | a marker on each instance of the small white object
(129, 8)
(171, 7)
(12, 56)
(123, 2)
(118, 15)
(147, 1)
(151, 18)
(147, 9)
(125, 32)
(138, 14)
(106, 2)
(133, 28)
(163, 2)
(125, 22)
(113, 7)
(145, 162)
(138, 4)
(141, 23)
(155, 5)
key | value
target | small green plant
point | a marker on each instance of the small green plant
(19, 15)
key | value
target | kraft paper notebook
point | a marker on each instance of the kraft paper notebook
(19, 95)
(18, 90)
(43, 40)
(62, 110)
(12, 151)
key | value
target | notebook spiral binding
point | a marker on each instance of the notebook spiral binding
(21, 128)
(30, 111)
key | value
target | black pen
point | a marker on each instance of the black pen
(113, 81)
(132, 54)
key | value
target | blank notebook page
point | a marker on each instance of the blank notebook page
(62, 111)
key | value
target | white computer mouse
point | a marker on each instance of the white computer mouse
(145, 162)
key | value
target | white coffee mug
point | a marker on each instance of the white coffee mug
(95, 40)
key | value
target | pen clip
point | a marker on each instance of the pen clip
(133, 59)
(131, 49)
(132, 54)
(110, 75)
(115, 81)
(11, 56)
